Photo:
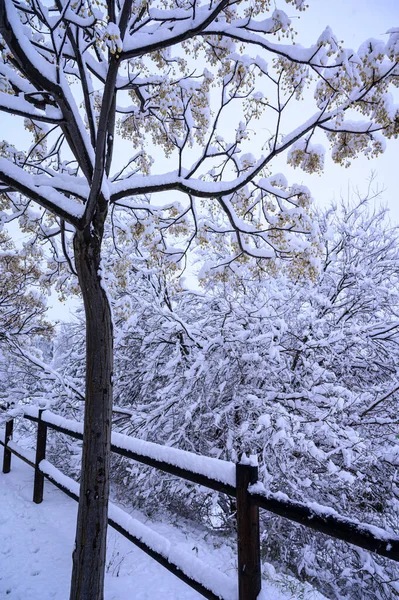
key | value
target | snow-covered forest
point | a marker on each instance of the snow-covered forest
(300, 373)
(154, 182)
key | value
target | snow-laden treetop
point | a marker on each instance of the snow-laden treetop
(187, 84)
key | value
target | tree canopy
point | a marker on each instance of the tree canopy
(141, 116)
(300, 373)
(82, 74)
(22, 294)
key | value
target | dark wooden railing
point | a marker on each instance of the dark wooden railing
(239, 481)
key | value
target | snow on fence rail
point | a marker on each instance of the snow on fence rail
(213, 473)
(237, 480)
(326, 520)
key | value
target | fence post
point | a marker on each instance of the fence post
(38, 484)
(248, 540)
(7, 452)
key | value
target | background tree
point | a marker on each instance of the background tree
(70, 70)
(23, 305)
(301, 373)
(22, 294)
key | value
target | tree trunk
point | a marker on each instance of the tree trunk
(91, 531)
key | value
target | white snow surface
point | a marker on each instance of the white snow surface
(49, 417)
(214, 468)
(37, 544)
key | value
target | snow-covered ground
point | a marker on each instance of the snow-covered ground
(36, 544)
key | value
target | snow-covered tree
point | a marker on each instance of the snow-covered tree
(23, 305)
(304, 374)
(84, 75)
(22, 294)
(301, 373)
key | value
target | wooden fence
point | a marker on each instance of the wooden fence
(239, 481)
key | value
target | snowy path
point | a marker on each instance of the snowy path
(36, 543)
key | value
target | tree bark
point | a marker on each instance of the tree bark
(91, 531)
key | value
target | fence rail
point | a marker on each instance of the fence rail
(239, 481)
